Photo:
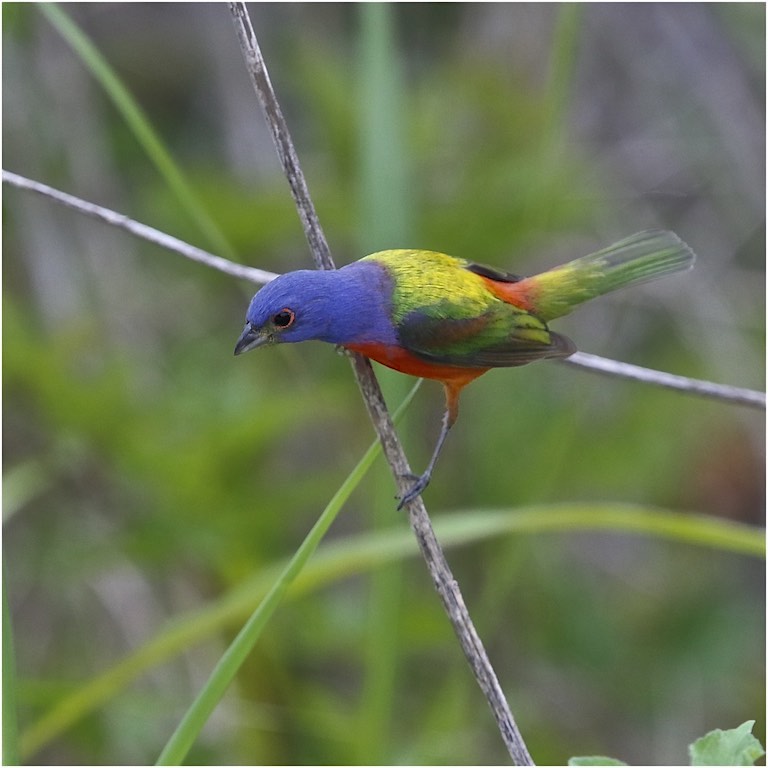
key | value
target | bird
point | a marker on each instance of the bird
(435, 316)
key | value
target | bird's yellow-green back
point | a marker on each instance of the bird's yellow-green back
(424, 279)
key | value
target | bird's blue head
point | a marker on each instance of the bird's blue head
(338, 306)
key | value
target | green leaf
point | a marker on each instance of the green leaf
(736, 746)
(595, 760)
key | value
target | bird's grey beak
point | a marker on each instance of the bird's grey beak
(249, 339)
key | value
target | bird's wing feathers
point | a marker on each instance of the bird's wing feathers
(478, 342)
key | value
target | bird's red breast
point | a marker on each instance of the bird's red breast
(403, 361)
(454, 378)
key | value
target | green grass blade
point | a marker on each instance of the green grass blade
(331, 563)
(683, 528)
(142, 129)
(10, 722)
(197, 715)
(562, 67)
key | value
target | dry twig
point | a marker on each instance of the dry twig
(735, 395)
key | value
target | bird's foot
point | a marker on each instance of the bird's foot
(420, 482)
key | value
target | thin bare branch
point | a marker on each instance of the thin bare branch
(736, 395)
(699, 387)
(140, 230)
(444, 581)
(318, 245)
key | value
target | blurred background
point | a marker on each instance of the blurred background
(150, 477)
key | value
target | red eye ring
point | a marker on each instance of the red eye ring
(284, 318)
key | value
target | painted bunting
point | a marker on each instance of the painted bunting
(432, 315)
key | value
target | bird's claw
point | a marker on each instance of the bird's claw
(420, 482)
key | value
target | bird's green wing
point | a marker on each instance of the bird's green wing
(495, 339)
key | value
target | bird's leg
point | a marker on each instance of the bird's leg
(422, 481)
(449, 417)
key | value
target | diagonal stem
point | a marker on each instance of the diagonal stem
(444, 581)
(286, 152)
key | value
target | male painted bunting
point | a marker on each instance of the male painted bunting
(431, 315)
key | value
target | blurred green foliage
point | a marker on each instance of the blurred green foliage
(149, 473)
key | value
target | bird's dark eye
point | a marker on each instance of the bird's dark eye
(284, 318)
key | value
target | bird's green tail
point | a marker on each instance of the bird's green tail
(636, 259)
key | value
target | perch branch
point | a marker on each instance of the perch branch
(140, 230)
(699, 387)
(736, 395)
(286, 152)
(445, 584)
